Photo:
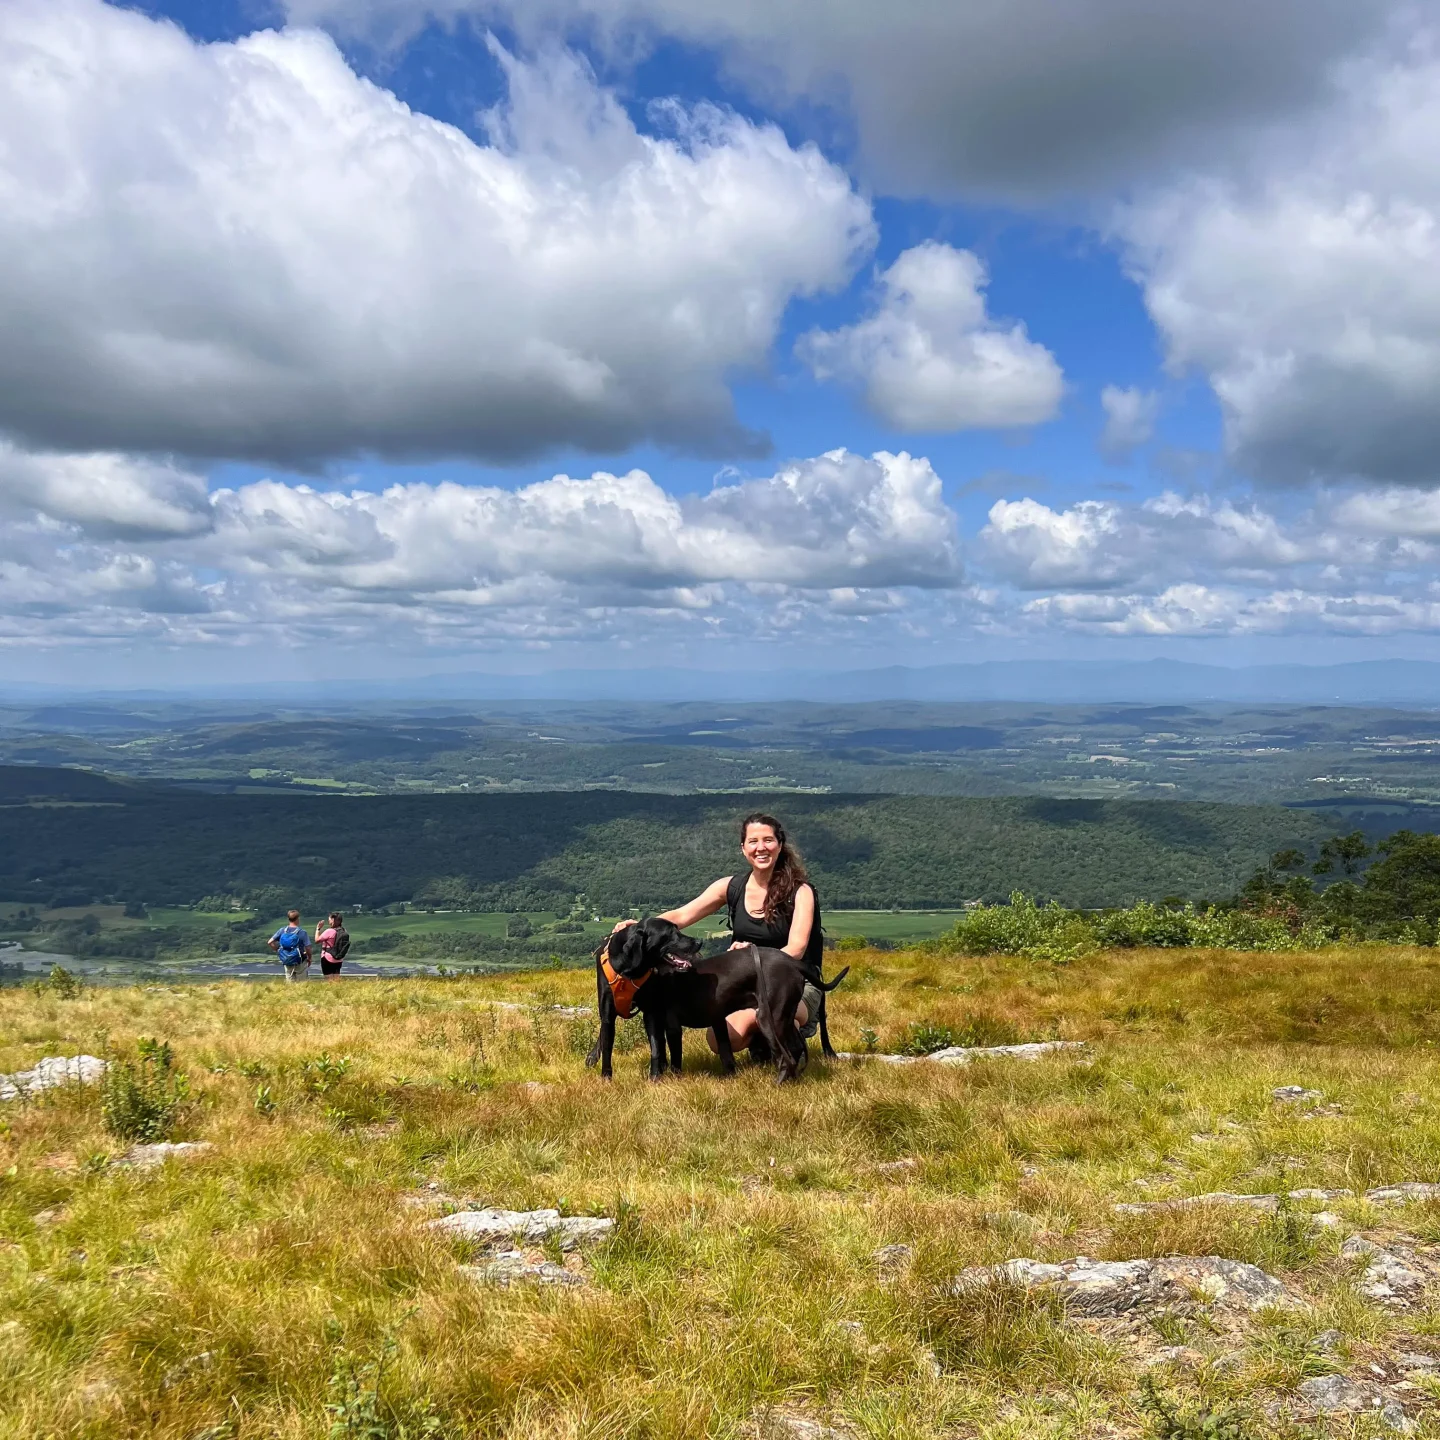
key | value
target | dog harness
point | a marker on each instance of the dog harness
(622, 988)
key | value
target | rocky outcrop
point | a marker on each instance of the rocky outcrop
(52, 1072)
(964, 1054)
(1111, 1288)
(1389, 1275)
(148, 1157)
(488, 1227)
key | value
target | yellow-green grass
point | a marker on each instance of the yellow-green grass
(231, 1296)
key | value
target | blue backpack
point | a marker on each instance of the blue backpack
(292, 944)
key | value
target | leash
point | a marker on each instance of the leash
(623, 989)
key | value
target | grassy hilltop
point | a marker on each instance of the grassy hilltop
(283, 1284)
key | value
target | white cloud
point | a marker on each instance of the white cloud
(246, 250)
(1130, 416)
(1025, 99)
(840, 535)
(930, 359)
(1306, 284)
(106, 494)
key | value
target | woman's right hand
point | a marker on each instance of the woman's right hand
(621, 925)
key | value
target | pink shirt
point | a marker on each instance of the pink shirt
(325, 939)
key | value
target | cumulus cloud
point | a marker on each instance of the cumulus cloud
(930, 359)
(1130, 416)
(842, 534)
(1306, 285)
(1028, 99)
(105, 494)
(247, 250)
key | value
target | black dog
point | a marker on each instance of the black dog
(655, 971)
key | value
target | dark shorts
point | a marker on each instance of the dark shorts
(332, 967)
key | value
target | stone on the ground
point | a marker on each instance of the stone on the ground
(493, 1226)
(1267, 1203)
(964, 1054)
(1412, 1360)
(147, 1157)
(1327, 1220)
(1335, 1394)
(52, 1071)
(511, 1266)
(1401, 1194)
(1294, 1094)
(893, 1258)
(1386, 1278)
(782, 1425)
(1110, 1288)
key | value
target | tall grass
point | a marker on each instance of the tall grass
(280, 1287)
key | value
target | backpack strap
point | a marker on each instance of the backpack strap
(733, 892)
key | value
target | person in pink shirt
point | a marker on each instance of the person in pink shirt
(334, 942)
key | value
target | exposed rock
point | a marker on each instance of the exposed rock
(1412, 1361)
(1403, 1193)
(1108, 1288)
(964, 1054)
(52, 1071)
(510, 1266)
(492, 1226)
(893, 1258)
(1326, 1341)
(148, 1157)
(1327, 1220)
(205, 1360)
(45, 1217)
(1311, 1192)
(1267, 1203)
(1331, 1394)
(1387, 1278)
(784, 1425)
(1295, 1094)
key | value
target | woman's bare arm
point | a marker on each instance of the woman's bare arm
(707, 902)
(801, 922)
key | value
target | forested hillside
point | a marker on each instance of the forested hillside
(69, 837)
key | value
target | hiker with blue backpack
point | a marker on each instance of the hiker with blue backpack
(292, 945)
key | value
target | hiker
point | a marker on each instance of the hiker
(292, 945)
(773, 905)
(334, 943)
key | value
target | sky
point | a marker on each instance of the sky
(367, 338)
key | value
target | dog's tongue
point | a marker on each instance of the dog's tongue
(679, 962)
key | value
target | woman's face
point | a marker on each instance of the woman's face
(761, 847)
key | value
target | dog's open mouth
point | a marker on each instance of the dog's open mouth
(679, 962)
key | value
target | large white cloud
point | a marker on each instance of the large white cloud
(245, 249)
(1306, 285)
(1130, 415)
(841, 534)
(1027, 98)
(930, 359)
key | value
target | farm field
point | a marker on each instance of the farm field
(286, 1282)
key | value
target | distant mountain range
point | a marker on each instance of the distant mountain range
(1366, 682)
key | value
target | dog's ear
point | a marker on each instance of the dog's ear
(629, 954)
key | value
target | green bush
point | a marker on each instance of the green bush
(142, 1099)
(925, 1039)
(1039, 932)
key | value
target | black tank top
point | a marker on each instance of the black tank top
(745, 926)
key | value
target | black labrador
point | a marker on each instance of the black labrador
(657, 971)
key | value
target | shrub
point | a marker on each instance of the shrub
(850, 942)
(142, 1100)
(1146, 924)
(1039, 932)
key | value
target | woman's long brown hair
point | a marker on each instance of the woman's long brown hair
(789, 872)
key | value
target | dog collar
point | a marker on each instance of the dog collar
(622, 988)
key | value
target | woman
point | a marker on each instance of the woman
(773, 905)
(332, 946)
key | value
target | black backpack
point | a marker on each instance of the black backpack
(341, 946)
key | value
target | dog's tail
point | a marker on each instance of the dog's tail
(820, 983)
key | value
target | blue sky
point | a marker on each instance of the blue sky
(1161, 324)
